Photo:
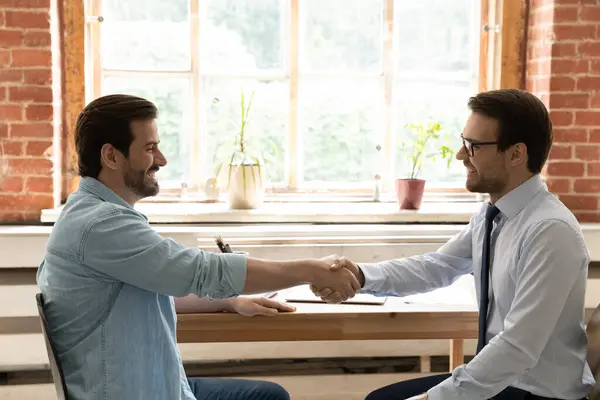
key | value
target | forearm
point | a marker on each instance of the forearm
(195, 304)
(422, 273)
(498, 365)
(413, 275)
(265, 275)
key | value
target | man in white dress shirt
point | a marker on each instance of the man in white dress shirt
(533, 261)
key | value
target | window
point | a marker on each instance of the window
(335, 82)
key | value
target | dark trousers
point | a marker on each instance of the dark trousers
(236, 389)
(414, 387)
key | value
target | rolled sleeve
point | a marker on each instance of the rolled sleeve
(121, 245)
(234, 279)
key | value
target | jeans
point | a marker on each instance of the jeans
(236, 389)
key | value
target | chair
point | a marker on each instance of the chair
(57, 372)
(593, 357)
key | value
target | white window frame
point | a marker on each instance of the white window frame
(485, 54)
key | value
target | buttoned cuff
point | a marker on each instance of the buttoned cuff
(446, 390)
(373, 277)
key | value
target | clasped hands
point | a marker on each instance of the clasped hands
(338, 281)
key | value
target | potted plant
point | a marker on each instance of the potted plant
(426, 141)
(242, 166)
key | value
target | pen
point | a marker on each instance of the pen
(221, 245)
(226, 249)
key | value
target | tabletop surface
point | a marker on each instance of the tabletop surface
(414, 317)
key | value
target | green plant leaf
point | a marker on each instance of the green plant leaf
(425, 143)
(245, 150)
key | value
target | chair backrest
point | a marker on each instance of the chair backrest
(593, 357)
(57, 372)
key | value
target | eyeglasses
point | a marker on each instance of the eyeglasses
(470, 145)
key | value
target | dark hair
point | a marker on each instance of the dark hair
(522, 118)
(105, 120)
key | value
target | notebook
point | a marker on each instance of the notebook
(303, 294)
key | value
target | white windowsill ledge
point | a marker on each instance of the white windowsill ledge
(284, 212)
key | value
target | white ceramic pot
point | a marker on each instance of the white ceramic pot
(246, 187)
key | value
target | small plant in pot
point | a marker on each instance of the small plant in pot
(426, 141)
(242, 169)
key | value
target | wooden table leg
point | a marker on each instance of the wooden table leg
(457, 353)
(425, 364)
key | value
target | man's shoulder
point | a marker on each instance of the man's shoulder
(83, 210)
(81, 214)
(552, 223)
(548, 210)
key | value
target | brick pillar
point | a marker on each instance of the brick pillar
(26, 108)
(563, 69)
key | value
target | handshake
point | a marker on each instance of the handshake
(336, 279)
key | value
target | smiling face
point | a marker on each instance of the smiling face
(488, 170)
(144, 160)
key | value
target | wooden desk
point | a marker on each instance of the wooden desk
(393, 320)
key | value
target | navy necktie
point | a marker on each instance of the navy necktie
(490, 214)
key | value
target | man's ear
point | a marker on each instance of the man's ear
(518, 154)
(109, 156)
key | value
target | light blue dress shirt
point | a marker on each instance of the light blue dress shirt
(107, 278)
(539, 265)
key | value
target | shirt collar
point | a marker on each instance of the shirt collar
(93, 186)
(513, 202)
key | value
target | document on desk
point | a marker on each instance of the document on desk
(303, 294)
(460, 292)
(268, 295)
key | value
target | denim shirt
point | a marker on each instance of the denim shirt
(108, 279)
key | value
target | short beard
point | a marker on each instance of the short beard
(136, 181)
(487, 185)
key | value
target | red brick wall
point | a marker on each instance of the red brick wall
(563, 69)
(26, 108)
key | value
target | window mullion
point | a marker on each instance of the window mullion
(484, 43)
(294, 158)
(198, 172)
(95, 47)
(386, 163)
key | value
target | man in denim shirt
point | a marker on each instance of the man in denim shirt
(109, 279)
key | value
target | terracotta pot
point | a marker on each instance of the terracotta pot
(410, 193)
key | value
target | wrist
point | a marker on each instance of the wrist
(303, 271)
(228, 305)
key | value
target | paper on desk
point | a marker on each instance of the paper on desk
(303, 293)
(268, 295)
(460, 292)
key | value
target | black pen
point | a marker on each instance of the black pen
(226, 249)
(222, 246)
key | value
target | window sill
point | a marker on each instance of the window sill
(300, 212)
